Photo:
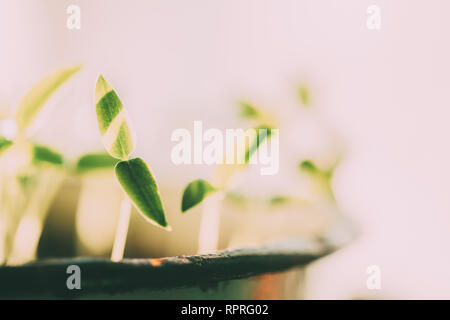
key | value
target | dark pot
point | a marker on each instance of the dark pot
(273, 271)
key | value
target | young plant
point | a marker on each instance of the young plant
(211, 194)
(32, 104)
(30, 173)
(321, 177)
(133, 174)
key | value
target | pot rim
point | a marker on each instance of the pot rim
(99, 275)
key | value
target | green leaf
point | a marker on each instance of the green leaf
(95, 161)
(139, 184)
(309, 167)
(278, 200)
(45, 155)
(248, 111)
(113, 123)
(322, 176)
(195, 192)
(262, 133)
(303, 94)
(4, 144)
(35, 99)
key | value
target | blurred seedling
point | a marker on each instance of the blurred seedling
(202, 191)
(321, 177)
(210, 195)
(133, 174)
(30, 173)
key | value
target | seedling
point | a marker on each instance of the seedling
(32, 104)
(30, 174)
(211, 194)
(133, 174)
(322, 177)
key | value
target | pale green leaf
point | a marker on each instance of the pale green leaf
(303, 94)
(139, 184)
(280, 199)
(246, 110)
(35, 99)
(262, 133)
(113, 123)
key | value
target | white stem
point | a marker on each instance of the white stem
(26, 240)
(208, 239)
(122, 230)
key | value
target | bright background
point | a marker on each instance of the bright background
(385, 92)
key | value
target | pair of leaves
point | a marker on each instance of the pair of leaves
(309, 167)
(196, 191)
(29, 108)
(321, 175)
(118, 139)
(249, 111)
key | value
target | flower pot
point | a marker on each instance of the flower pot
(272, 271)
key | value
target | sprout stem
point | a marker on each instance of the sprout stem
(122, 230)
(208, 239)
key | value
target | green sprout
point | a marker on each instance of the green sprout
(210, 194)
(133, 174)
(34, 168)
(304, 96)
(322, 176)
(33, 102)
(198, 190)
